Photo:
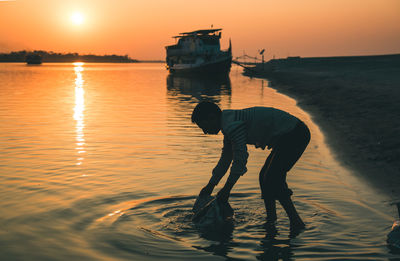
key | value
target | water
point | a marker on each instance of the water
(102, 162)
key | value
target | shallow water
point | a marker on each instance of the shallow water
(102, 162)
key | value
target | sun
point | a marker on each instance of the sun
(77, 18)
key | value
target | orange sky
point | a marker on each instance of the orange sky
(141, 28)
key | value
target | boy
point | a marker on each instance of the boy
(263, 127)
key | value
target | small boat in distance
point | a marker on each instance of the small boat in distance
(33, 58)
(199, 52)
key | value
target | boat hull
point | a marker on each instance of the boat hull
(215, 67)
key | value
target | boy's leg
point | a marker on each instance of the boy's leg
(276, 187)
(290, 150)
(295, 221)
(284, 156)
(270, 207)
(269, 202)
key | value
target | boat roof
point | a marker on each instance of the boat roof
(198, 32)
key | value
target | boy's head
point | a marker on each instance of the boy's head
(207, 115)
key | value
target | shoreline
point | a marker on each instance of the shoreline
(356, 103)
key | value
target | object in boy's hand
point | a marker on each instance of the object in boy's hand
(209, 211)
(201, 202)
(393, 238)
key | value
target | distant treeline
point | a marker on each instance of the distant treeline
(20, 56)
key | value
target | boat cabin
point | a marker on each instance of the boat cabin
(196, 43)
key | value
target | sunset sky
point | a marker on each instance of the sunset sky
(141, 29)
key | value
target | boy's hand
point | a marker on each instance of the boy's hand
(223, 195)
(206, 191)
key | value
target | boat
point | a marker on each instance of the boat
(199, 52)
(33, 58)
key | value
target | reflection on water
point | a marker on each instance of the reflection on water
(211, 88)
(78, 112)
(102, 162)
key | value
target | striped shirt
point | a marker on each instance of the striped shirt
(259, 126)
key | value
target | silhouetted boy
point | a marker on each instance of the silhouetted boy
(263, 127)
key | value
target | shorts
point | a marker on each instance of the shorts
(282, 158)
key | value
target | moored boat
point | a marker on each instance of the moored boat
(199, 52)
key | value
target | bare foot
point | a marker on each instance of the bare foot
(296, 228)
(270, 228)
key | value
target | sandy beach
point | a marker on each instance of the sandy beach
(356, 102)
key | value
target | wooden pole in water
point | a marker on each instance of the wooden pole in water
(263, 61)
(262, 55)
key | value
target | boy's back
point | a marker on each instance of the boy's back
(262, 125)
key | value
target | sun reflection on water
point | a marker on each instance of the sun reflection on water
(79, 112)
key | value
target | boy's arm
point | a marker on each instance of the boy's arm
(221, 168)
(240, 156)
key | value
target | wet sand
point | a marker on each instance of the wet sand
(356, 102)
